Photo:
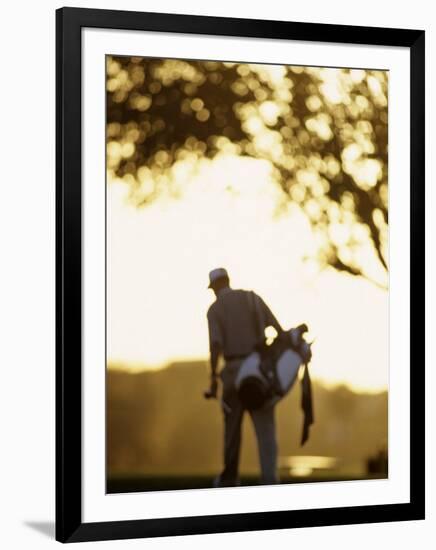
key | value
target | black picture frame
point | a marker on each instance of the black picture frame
(69, 524)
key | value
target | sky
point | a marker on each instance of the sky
(227, 215)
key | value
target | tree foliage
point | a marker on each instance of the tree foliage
(323, 130)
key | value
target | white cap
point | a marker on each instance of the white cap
(217, 274)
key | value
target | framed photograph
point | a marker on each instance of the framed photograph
(240, 275)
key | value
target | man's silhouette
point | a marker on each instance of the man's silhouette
(237, 322)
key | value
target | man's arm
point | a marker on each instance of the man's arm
(268, 316)
(215, 353)
(215, 345)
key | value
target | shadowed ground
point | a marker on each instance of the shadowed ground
(126, 484)
(162, 434)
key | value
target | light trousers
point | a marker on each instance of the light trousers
(264, 425)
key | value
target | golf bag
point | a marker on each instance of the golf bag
(269, 373)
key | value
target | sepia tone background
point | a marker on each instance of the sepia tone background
(280, 174)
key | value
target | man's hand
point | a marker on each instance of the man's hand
(212, 392)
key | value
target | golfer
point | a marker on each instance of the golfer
(233, 335)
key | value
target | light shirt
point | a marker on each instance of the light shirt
(237, 322)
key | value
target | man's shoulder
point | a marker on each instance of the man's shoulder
(237, 294)
(223, 298)
(211, 309)
(214, 308)
(249, 293)
(242, 291)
